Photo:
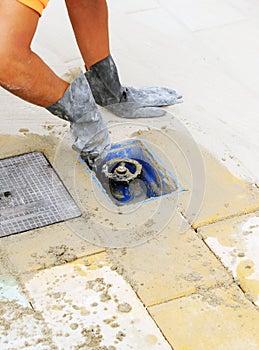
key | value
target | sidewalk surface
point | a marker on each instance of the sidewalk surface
(177, 273)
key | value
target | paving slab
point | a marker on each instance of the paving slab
(88, 305)
(200, 15)
(20, 326)
(133, 6)
(216, 319)
(48, 246)
(230, 55)
(10, 291)
(236, 242)
(249, 8)
(170, 266)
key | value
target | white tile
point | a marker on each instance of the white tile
(132, 6)
(202, 14)
(21, 329)
(247, 7)
(76, 298)
(159, 21)
(20, 326)
(236, 242)
(10, 291)
(237, 50)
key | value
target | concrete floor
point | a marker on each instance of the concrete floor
(180, 273)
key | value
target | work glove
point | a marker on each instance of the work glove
(88, 130)
(127, 102)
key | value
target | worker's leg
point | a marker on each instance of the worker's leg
(22, 72)
(89, 19)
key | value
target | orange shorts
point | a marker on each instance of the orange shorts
(37, 5)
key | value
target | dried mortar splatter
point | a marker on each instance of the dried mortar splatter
(124, 307)
(62, 254)
(92, 338)
(120, 336)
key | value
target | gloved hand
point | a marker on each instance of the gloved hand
(91, 139)
(88, 130)
(127, 102)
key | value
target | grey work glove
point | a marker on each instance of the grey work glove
(89, 132)
(127, 102)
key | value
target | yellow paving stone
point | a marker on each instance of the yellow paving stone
(236, 242)
(41, 248)
(216, 319)
(216, 193)
(225, 195)
(170, 266)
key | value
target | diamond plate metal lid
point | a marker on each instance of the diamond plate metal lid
(32, 195)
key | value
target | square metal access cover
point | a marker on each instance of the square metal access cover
(32, 195)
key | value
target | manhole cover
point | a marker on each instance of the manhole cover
(32, 195)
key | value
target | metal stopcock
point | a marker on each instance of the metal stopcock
(122, 169)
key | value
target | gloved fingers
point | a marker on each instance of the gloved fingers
(179, 100)
(92, 140)
(89, 159)
(132, 110)
(94, 158)
(86, 131)
(153, 96)
(149, 112)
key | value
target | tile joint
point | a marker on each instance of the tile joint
(56, 265)
(216, 286)
(237, 215)
(196, 229)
